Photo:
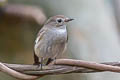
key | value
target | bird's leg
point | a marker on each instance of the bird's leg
(55, 60)
(41, 62)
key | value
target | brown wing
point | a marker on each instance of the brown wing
(39, 37)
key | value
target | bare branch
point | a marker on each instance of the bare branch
(16, 74)
(87, 64)
(65, 66)
(60, 66)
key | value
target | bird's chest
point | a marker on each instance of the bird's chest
(59, 35)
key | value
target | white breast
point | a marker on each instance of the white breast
(61, 31)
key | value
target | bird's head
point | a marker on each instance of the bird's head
(58, 20)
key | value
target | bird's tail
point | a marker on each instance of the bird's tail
(36, 59)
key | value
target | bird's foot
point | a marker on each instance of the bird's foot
(40, 66)
(55, 60)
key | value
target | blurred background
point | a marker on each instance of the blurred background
(94, 35)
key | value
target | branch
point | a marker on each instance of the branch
(60, 66)
(16, 74)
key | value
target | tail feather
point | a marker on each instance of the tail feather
(49, 61)
(36, 60)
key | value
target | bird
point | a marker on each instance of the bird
(51, 40)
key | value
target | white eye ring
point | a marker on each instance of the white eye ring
(59, 20)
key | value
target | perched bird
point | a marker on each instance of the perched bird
(51, 40)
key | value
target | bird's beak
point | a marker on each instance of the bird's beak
(68, 19)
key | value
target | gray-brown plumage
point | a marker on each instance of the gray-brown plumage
(51, 40)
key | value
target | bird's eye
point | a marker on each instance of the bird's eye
(59, 20)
